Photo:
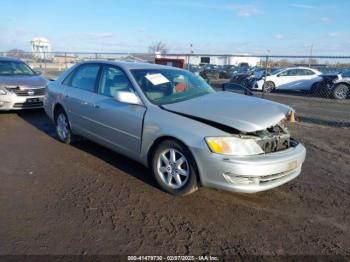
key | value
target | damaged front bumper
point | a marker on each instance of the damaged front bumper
(250, 174)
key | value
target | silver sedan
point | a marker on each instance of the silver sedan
(173, 122)
(20, 86)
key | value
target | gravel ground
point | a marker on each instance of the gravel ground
(85, 199)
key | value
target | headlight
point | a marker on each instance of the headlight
(235, 146)
(2, 91)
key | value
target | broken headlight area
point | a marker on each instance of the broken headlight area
(269, 140)
(274, 139)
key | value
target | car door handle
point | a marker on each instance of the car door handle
(66, 95)
(96, 106)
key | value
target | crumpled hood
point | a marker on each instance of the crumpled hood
(25, 81)
(244, 113)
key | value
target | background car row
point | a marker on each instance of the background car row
(310, 81)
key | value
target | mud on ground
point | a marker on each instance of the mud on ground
(85, 199)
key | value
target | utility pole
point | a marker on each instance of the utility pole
(266, 61)
(189, 57)
(311, 49)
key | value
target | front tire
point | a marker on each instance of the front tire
(63, 130)
(269, 87)
(174, 168)
(341, 91)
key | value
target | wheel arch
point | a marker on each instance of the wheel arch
(342, 83)
(159, 140)
(57, 107)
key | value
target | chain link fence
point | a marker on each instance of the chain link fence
(52, 64)
(318, 87)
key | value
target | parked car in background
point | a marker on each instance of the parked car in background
(244, 79)
(172, 121)
(196, 69)
(210, 72)
(293, 78)
(20, 86)
(243, 67)
(249, 78)
(334, 85)
(341, 88)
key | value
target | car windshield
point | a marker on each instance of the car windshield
(166, 86)
(15, 68)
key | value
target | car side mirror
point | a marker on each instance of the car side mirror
(127, 97)
(278, 75)
(38, 73)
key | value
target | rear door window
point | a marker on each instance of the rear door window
(289, 72)
(304, 72)
(85, 77)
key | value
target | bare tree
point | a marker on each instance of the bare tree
(18, 53)
(160, 47)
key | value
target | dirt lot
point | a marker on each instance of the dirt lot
(84, 199)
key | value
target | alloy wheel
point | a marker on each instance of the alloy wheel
(341, 92)
(62, 126)
(173, 168)
(268, 87)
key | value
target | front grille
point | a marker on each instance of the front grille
(28, 91)
(275, 144)
(28, 105)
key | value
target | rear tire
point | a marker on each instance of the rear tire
(341, 91)
(269, 87)
(63, 129)
(174, 168)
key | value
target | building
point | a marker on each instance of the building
(216, 59)
(41, 48)
(64, 59)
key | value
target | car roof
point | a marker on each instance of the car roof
(299, 67)
(11, 59)
(130, 65)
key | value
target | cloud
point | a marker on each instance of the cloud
(245, 10)
(278, 36)
(303, 6)
(325, 20)
(334, 34)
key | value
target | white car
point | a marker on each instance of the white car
(293, 78)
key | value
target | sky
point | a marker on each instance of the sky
(287, 27)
